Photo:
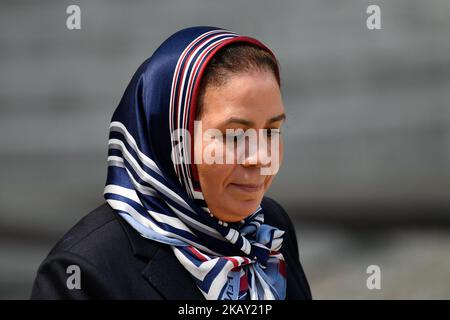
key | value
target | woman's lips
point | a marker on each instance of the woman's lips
(247, 187)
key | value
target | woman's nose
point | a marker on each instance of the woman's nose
(257, 155)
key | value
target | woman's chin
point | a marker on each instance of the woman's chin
(241, 209)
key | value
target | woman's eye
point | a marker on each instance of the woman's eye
(235, 137)
(273, 132)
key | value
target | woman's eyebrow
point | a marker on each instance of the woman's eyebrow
(277, 118)
(251, 123)
(238, 120)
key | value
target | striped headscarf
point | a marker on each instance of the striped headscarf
(162, 199)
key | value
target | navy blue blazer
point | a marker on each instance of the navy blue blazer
(117, 263)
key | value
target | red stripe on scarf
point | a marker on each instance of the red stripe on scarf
(196, 253)
(282, 268)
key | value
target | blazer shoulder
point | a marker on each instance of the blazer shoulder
(274, 213)
(98, 237)
(93, 223)
(99, 246)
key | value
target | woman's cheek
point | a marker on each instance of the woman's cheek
(212, 176)
(268, 182)
(281, 154)
(280, 151)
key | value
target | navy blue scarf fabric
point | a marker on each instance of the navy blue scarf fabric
(162, 199)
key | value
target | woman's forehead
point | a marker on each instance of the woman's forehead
(244, 100)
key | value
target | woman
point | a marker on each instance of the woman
(174, 228)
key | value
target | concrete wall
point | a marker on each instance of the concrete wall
(367, 134)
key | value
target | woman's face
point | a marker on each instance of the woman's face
(250, 100)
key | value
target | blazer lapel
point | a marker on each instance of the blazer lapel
(163, 270)
(170, 278)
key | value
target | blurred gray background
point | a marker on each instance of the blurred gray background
(366, 176)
